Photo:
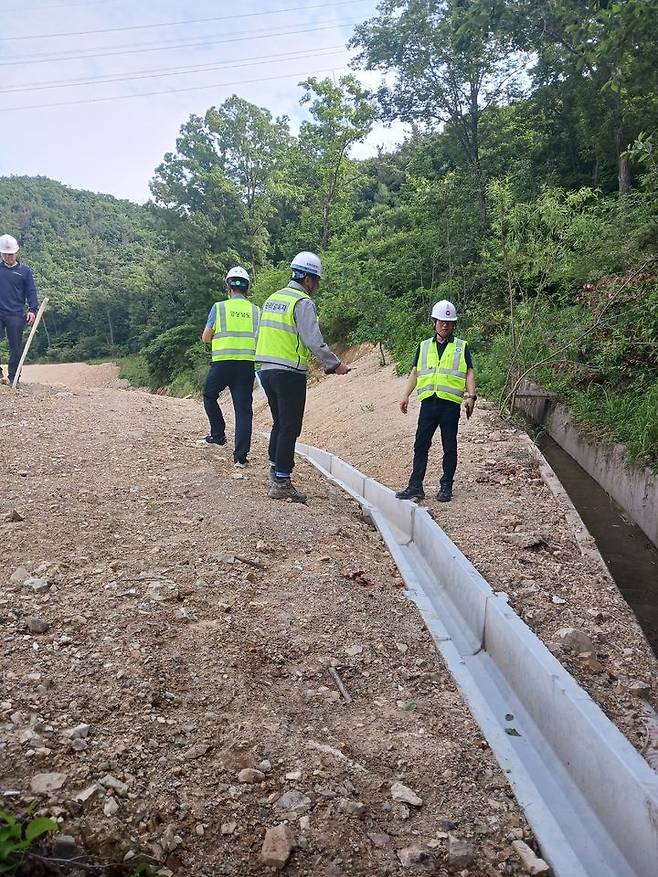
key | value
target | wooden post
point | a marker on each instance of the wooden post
(35, 324)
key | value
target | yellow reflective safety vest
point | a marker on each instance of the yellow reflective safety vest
(278, 339)
(235, 330)
(445, 378)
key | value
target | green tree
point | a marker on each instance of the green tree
(452, 62)
(341, 116)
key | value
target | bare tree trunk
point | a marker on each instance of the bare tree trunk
(623, 167)
(624, 170)
(110, 328)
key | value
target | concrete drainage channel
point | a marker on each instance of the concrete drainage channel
(591, 799)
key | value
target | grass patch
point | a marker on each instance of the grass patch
(135, 370)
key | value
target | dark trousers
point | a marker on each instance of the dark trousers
(286, 395)
(435, 413)
(238, 376)
(13, 325)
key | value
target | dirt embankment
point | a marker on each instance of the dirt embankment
(172, 628)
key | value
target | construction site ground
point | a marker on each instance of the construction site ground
(190, 622)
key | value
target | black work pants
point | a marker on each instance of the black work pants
(436, 413)
(286, 395)
(13, 325)
(238, 376)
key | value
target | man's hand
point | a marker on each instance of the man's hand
(342, 369)
(404, 405)
(30, 318)
(469, 405)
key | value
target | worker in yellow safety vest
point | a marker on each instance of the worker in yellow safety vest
(442, 374)
(231, 330)
(288, 338)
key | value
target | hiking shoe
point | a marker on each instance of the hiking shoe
(411, 493)
(282, 488)
(212, 440)
(444, 494)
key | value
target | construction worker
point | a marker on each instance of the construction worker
(231, 329)
(288, 338)
(441, 372)
(17, 289)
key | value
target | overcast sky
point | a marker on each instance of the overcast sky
(90, 135)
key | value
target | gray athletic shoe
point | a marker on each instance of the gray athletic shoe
(283, 489)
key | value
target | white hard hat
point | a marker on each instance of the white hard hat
(237, 273)
(307, 262)
(444, 310)
(8, 244)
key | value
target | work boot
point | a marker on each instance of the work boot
(444, 493)
(411, 493)
(282, 488)
(213, 440)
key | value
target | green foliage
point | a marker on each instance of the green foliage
(267, 282)
(135, 370)
(17, 837)
(168, 354)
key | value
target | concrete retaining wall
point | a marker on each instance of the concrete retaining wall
(590, 798)
(634, 489)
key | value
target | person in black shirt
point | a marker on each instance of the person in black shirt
(440, 405)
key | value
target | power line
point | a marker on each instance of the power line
(65, 5)
(84, 33)
(98, 100)
(139, 49)
(169, 71)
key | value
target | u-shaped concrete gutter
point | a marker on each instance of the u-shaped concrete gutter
(590, 798)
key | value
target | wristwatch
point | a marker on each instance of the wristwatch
(472, 397)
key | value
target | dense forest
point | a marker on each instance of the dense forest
(526, 191)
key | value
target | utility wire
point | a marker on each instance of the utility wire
(84, 33)
(93, 52)
(65, 5)
(99, 100)
(171, 71)
(140, 49)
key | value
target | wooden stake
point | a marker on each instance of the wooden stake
(35, 324)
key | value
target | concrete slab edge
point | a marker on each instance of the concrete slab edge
(584, 539)
(623, 801)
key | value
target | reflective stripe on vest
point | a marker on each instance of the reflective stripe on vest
(236, 328)
(278, 339)
(445, 378)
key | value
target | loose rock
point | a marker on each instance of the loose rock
(110, 807)
(294, 800)
(639, 689)
(36, 584)
(531, 863)
(460, 853)
(278, 845)
(251, 775)
(36, 625)
(411, 856)
(403, 793)
(44, 783)
(19, 576)
(574, 640)
(110, 782)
